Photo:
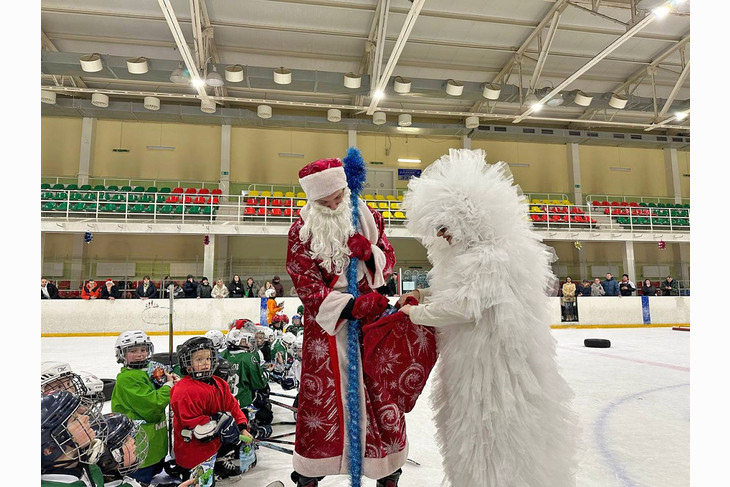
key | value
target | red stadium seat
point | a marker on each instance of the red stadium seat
(177, 190)
(203, 191)
(216, 191)
(249, 211)
(190, 190)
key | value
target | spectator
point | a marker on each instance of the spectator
(648, 289)
(177, 291)
(251, 290)
(669, 287)
(278, 286)
(48, 289)
(146, 289)
(597, 288)
(165, 286)
(262, 290)
(568, 300)
(219, 290)
(610, 285)
(626, 287)
(272, 307)
(110, 291)
(585, 288)
(91, 290)
(190, 287)
(204, 290)
(235, 288)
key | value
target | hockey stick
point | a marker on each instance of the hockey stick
(271, 393)
(274, 447)
(283, 442)
(413, 462)
(282, 423)
(281, 404)
(284, 435)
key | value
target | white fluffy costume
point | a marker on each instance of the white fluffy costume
(502, 410)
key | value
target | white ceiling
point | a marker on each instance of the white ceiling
(471, 41)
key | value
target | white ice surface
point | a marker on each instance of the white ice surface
(633, 400)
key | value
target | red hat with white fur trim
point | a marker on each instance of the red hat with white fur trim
(322, 178)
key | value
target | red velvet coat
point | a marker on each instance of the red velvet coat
(321, 420)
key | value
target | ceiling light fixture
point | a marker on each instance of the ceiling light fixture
(411, 161)
(48, 97)
(661, 12)
(379, 118)
(234, 73)
(582, 99)
(401, 85)
(264, 111)
(91, 63)
(532, 102)
(198, 82)
(334, 115)
(100, 100)
(491, 91)
(207, 107)
(471, 122)
(378, 94)
(214, 79)
(151, 103)
(137, 65)
(179, 75)
(352, 80)
(454, 88)
(680, 115)
(282, 76)
(404, 120)
(617, 101)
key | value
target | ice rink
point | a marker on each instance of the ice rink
(633, 400)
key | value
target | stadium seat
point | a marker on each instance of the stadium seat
(138, 189)
(278, 194)
(177, 190)
(301, 194)
(112, 187)
(207, 210)
(390, 197)
(125, 189)
(190, 191)
(165, 209)
(45, 186)
(136, 208)
(301, 203)
(249, 211)
(149, 208)
(399, 215)
(193, 210)
(276, 212)
(48, 206)
(382, 205)
(379, 197)
(177, 210)
(289, 194)
(90, 208)
(99, 187)
(62, 206)
(253, 193)
(151, 189)
(266, 193)
(387, 215)
(203, 191)
(165, 190)
(261, 212)
(216, 191)
(85, 187)
(367, 197)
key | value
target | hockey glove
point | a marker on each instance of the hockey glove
(369, 306)
(228, 430)
(359, 247)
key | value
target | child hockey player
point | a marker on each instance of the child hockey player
(263, 335)
(72, 439)
(207, 420)
(126, 448)
(272, 307)
(58, 376)
(137, 397)
(248, 380)
(296, 325)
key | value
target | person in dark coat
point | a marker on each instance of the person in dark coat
(584, 289)
(626, 287)
(278, 286)
(670, 287)
(190, 287)
(648, 289)
(146, 289)
(251, 290)
(48, 289)
(610, 286)
(235, 288)
(110, 291)
(205, 290)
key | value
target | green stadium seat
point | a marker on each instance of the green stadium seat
(48, 206)
(151, 189)
(58, 186)
(72, 187)
(60, 196)
(165, 189)
(45, 186)
(136, 208)
(80, 206)
(85, 187)
(47, 195)
(112, 187)
(125, 188)
(177, 210)
(138, 189)
(62, 206)
(99, 187)
(108, 207)
(145, 198)
(90, 208)
(165, 209)
(207, 210)
(149, 208)
(76, 196)
(193, 210)
(88, 197)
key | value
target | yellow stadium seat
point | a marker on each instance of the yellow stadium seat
(400, 197)
(382, 206)
(387, 215)
(301, 202)
(394, 205)
(399, 215)
(266, 193)
(278, 194)
(379, 197)
(367, 197)
(566, 202)
(289, 194)
(545, 202)
(253, 192)
(557, 202)
(390, 197)
(535, 201)
(301, 194)
(372, 205)
(535, 209)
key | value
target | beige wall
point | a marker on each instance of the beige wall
(60, 146)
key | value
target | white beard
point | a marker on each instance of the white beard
(329, 231)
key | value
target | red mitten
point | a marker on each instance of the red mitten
(370, 306)
(359, 247)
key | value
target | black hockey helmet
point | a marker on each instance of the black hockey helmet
(185, 356)
(120, 457)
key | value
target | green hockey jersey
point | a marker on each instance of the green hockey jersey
(246, 375)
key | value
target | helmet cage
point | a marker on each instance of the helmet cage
(185, 357)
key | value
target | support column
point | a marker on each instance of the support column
(78, 274)
(86, 154)
(671, 170)
(208, 258)
(465, 142)
(351, 139)
(583, 265)
(684, 262)
(222, 271)
(629, 262)
(574, 173)
(224, 183)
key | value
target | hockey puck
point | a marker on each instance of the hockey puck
(108, 388)
(597, 343)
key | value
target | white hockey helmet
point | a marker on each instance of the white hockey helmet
(217, 337)
(129, 339)
(94, 387)
(270, 293)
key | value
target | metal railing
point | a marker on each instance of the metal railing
(181, 207)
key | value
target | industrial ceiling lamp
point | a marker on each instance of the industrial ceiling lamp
(179, 75)
(491, 91)
(151, 103)
(334, 115)
(207, 107)
(137, 65)
(282, 76)
(234, 73)
(379, 118)
(48, 97)
(100, 100)
(264, 111)
(91, 63)
(454, 88)
(532, 102)
(404, 120)
(471, 122)
(214, 79)
(582, 99)
(617, 101)
(352, 80)
(401, 85)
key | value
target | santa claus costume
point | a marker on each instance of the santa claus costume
(502, 410)
(320, 245)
